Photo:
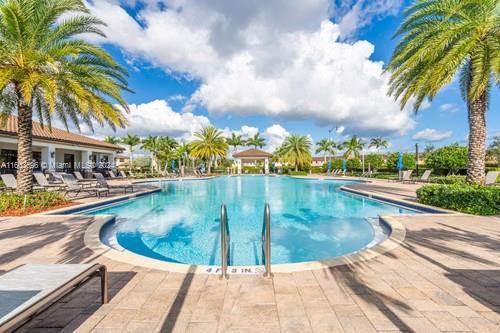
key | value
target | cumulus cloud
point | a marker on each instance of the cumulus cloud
(157, 118)
(275, 135)
(448, 108)
(281, 58)
(432, 135)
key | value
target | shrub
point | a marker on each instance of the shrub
(30, 202)
(450, 158)
(353, 164)
(376, 161)
(472, 199)
(448, 180)
(251, 169)
(408, 161)
(318, 169)
(297, 173)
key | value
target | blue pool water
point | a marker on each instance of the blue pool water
(310, 220)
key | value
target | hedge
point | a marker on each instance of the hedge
(31, 202)
(297, 173)
(471, 199)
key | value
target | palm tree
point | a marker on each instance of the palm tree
(441, 38)
(296, 149)
(326, 146)
(352, 147)
(235, 140)
(46, 69)
(256, 141)
(131, 141)
(166, 149)
(209, 144)
(112, 139)
(378, 143)
(153, 145)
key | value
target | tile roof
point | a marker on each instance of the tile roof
(55, 134)
(252, 153)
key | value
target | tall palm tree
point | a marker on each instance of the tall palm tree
(325, 146)
(352, 147)
(153, 145)
(256, 141)
(378, 143)
(235, 140)
(296, 149)
(209, 145)
(167, 149)
(131, 141)
(46, 69)
(441, 38)
(112, 139)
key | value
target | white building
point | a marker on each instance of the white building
(56, 149)
(254, 158)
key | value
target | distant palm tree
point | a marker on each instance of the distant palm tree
(167, 150)
(209, 145)
(256, 141)
(352, 147)
(378, 143)
(325, 146)
(131, 141)
(235, 140)
(153, 145)
(112, 139)
(46, 69)
(296, 150)
(441, 38)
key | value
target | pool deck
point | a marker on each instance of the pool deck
(444, 277)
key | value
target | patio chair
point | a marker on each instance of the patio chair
(83, 181)
(101, 181)
(407, 176)
(425, 177)
(491, 178)
(28, 290)
(43, 182)
(123, 175)
(73, 188)
(11, 184)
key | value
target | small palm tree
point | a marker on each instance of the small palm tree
(47, 70)
(441, 38)
(153, 145)
(256, 141)
(326, 146)
(112, 139)
(353, 147)
(209, 145)
(235, 140)
(378, 143)
(296, 150)
(131, 141)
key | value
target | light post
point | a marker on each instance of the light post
(416, 157)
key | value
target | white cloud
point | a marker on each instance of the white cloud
(277, 58)
(448, 108)
(157, 118)
(430, 135)
(351, 15)
(275, 135)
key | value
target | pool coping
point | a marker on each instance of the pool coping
(92, 239)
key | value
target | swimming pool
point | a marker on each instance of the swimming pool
(311, 220)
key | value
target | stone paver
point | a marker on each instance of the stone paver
(445, 277)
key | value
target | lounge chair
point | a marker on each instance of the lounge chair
(72, 187)
(112, 175)
(123, 175)
(28, 290)
(84, 181)
(101, 181)
(43, 182)
(11, 184)
(407, 176)
(491, 178)
(425, 177)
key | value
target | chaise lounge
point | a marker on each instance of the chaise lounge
(28, 290)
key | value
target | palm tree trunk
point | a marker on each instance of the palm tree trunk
(24, 146)
(209, 165)
(131, 158)
(477, 140)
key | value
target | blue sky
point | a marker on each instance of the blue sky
(277, 66)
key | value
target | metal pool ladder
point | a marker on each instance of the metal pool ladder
(224, 242)
(266, 241)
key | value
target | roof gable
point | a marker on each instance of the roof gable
(252, 152)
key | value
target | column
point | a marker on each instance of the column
(266, 165)
(238, 165)
(49, 158)
(86, 164)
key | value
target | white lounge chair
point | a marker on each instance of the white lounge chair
(491, 178)
(11, 184)
(407, 176)
(425, 176)
(30, 289)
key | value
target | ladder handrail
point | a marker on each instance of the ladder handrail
(266, 241)
(224, 241)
